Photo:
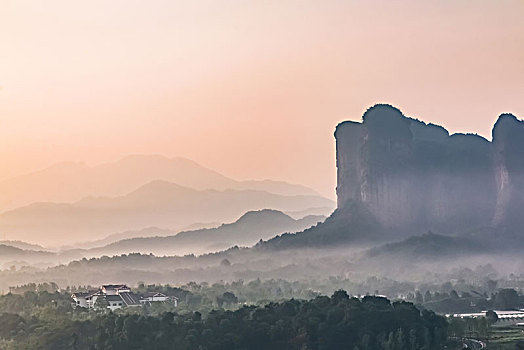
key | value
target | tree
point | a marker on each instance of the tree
(340, 295)
(101, 303)
(419, 299)
(491, 285)
(507, 299)
(456, 327)
(427, 296)
(229, 298)
(492, 317)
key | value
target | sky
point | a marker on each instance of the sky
(252, 89)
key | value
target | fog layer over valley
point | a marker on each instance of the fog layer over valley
(415, 206)
(246, 231)
(358, 270)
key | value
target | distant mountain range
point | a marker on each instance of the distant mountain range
(70, 202)
(158, 203)
(324, 211)
(13, 256)
(397, 177)
(10, 252)
(145, 232)
(22, 245)
(246, 231)
(71, 182)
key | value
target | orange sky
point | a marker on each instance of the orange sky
(253, 88)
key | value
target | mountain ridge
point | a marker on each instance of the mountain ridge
(71, 181)
(248, 229)
(159, 203)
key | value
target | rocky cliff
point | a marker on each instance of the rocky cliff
(414, 177)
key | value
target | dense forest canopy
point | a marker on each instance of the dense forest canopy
(48, 321)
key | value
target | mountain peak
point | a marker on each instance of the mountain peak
(154, 158)
(264, 214)
(160, 187)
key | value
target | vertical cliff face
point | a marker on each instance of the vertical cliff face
(374, 159)
(348, 162)
(387, 158)
(508, 149)
(415, 177)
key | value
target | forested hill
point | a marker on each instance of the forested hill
(430, 246)
(10, 252)
(325, 323)
(355, 226)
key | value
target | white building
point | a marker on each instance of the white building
(153, 297)
(80, 299)
(505, 318)
(114, 289)
(114, 302)
(117, 296)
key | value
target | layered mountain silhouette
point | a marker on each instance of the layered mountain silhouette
(246, 231)
(145, 232)
(398, 178)
(22, 245)
(158, 203)
(11, 255)
(70, 182)
(353, 224)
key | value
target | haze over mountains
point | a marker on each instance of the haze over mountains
(161, 199)
(22, 245)
(71, 182)
(246, 231)
(145, 232)
(158, 203)
(398, 178)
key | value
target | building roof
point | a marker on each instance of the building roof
(153, 294)
(84, 294)
(114, 286)
(113, 298)
(129, 298)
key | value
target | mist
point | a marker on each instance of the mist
(261, 175)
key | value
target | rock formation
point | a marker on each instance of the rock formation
(414, 177)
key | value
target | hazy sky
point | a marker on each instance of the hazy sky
(253, 89)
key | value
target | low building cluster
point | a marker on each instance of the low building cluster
(116, 296)
(504, 317)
